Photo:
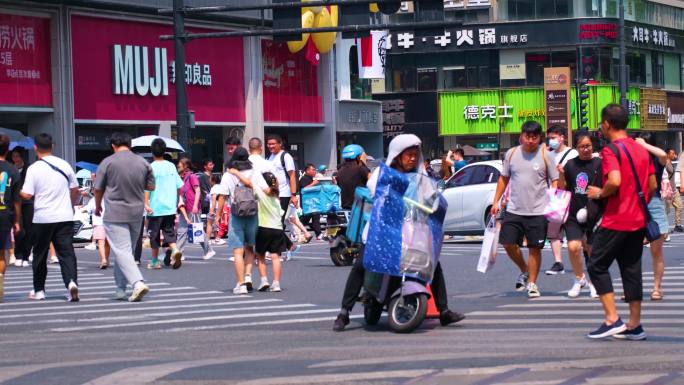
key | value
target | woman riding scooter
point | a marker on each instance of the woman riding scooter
(404, 156)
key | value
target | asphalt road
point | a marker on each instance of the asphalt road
(191, 329)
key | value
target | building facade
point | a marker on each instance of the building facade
(488, 73)
(81, 70)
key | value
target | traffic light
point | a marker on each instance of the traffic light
(287, 18)
(583, 103)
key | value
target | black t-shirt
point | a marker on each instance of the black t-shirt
(10, 185)
(305, 181)
(580, 174)
(349, 177)
(658, 174)
(205, 183)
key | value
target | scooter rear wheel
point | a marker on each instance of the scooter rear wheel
(372, 311)
(405, 314)
(339, 257)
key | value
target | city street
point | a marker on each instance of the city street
(191, 329)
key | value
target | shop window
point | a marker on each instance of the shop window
(471, 77)
(483, 76)
(538, 9)
(598, 64)
(360, 88)
(636, 62)
(657, 69)
(427, 79)
(454, 77)
(535, 63)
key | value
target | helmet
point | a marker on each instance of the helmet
(352, 151)
(322, 168)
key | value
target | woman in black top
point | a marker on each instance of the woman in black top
(578, 174)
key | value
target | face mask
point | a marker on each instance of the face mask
(553, 144)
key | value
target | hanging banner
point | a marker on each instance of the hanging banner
(25, 61)
(371, 55)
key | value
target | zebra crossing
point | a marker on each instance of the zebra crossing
(167, 308)
(583, 314)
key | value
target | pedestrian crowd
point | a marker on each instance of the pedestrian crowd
(248, 204)
(619, 201)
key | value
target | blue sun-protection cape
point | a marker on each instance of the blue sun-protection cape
(392, 221)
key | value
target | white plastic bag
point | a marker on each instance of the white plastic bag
(489, 245)
(196, 233)
(557, 208)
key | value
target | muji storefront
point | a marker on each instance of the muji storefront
(124, 80)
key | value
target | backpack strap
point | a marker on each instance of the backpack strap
(52, 166)
(615, 151)
(564, 156)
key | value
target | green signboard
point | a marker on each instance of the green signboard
(487, 146)
(505, 110)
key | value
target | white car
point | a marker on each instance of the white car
(470, 193)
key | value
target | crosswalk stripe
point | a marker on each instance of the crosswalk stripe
(257, 323)
(570, 312)
(153, 284)
(197, 319)
(39, 305)
(126, 307)
(205, 311)
(88, 284)
(526, 322)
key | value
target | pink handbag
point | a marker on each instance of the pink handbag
(558, 206)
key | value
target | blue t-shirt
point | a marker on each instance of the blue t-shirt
(164, 198)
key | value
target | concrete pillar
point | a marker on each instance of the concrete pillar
(62, 87)
(323, 147)
(254, 99)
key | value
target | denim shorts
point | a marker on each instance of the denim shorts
(657, 209)
(242, 231)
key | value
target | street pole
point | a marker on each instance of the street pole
(182, 115)
(623, 61)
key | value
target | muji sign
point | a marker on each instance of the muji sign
(122, 71)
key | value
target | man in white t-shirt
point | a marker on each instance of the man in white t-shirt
(256, 156)
(285, 171)
(555, 136)
(52, 184)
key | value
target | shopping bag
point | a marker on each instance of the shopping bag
(196, 233)
(558, 205)
(489, 245)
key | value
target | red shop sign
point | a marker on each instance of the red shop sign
(25, 61)
(290, 86)
(122, 71)
(595, 31)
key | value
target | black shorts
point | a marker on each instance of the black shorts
(515, 228)
(270, 241)
(165, 224)
(575, 231)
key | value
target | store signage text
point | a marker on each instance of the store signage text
(463, 37)
(595, 31)
(633, 107)
(23, 39)
(486, 112)
(656, 37)
(132, 74)
(393, 117)
(657, 109)
(674, 118)
(455, 4)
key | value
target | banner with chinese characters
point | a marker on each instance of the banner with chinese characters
(653, 109)
(505, 110)
(122, 71)
(25, 61)
(557, 98)
(290, 85)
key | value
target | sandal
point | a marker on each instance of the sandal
(656, 295)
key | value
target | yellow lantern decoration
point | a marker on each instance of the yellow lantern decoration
(324, 41)
(373, 7)
(308, 19)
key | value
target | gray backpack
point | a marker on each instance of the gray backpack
(244, 202)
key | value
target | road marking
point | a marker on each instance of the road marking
(198, 319)
(122, 306)
(257, 323)
(90, 287)
(112, 302)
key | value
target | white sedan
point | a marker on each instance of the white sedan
(470, 193)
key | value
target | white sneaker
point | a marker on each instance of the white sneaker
(73, 292)
(231, 259)
(209, 255)
(38, 296)
(54, 259)
(139, 292)
(120, 294)
(592, 291)
(275, 287)
(183, 258)
(264, 285)
(91, 247)
(17, 262)
(533, 290)
(219, 242)
(25, 264)
(667, 239)
(240, 289)
(31, 257)
(576, 289)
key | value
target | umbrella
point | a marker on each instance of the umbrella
(146, 141)
(472, 151)
(83, 174)
(17, 138)
(92, 167)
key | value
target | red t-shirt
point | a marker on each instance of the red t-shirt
(624, 211)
